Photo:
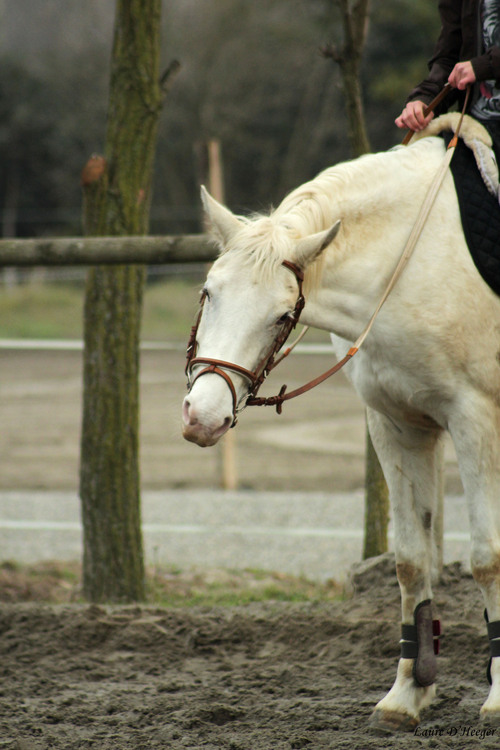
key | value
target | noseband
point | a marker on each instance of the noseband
(254, 377)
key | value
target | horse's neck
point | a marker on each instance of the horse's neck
(377, 198)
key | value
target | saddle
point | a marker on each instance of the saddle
(475, 174)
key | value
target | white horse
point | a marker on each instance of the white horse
(430, 363)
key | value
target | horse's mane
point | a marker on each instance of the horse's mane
(267, 239)
(349, 190)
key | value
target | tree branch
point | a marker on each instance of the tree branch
(331, 51)
(168, 76)
(360, 17)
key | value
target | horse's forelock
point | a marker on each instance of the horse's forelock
(263, 244)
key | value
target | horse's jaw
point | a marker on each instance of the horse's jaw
(203, 429)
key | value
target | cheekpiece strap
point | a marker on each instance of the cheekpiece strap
(421, 643)
(494, 637)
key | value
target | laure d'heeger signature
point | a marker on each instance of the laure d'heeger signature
(462, 730)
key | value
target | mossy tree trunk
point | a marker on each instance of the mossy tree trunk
(355, 17)
(117, 190)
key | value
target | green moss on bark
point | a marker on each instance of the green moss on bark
(117, 204)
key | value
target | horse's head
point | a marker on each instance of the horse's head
(251, 296)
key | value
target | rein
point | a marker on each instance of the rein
(269, 362)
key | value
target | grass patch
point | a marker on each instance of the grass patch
(228, 588)
(48, 310)
(52, 582)
(58, 583)
(41, 311)
(55, 310)
(169, 309)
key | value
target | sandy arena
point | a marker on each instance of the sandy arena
(262, 677)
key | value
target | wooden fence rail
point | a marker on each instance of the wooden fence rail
(91, 251)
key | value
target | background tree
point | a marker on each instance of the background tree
(392, 77)
(27, 156)
(253, 77)
(355, 17)
(117, 200)
(348, 56)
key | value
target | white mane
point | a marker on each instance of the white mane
(350, 191)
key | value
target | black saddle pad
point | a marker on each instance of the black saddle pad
(480, 214)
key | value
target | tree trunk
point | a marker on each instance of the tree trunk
(358, 137)
(376, 504)
(117, 193)
(9, 215)
(355, 16)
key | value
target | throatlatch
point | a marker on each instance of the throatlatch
(421, 643)
(494, 636)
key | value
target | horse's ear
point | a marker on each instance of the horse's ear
(310, 248)
(220, 223)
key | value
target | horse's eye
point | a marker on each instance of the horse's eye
(284, 319)
(205, 294)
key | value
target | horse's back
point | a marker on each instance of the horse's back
(437, 339)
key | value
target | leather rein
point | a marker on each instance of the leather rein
(257, 376)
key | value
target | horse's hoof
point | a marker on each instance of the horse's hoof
(388, 722)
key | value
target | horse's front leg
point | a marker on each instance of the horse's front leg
(411, 462)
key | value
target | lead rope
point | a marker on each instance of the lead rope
(417, 229)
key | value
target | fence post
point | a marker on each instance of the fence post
(227, 447)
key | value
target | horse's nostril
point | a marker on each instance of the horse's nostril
(187, 416)
(224, 427)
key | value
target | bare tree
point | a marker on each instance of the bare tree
(117, 192)
(355, 18)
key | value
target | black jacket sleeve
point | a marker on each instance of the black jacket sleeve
(446, 54)
(457, 41)
(487, 66)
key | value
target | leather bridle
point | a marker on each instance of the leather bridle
(254, 377)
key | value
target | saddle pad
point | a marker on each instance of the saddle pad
(480, 212)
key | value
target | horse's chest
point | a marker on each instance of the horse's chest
(402, 395)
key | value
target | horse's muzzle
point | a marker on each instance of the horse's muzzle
(202, 432)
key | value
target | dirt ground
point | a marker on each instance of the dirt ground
(261, 677)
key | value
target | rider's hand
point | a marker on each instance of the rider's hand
(462, 75)
(412, 116)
